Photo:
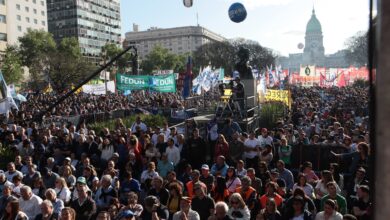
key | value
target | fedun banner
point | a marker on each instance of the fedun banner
(162, 83)
(129, 82)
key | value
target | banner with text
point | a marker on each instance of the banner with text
(131, 82)
(161, 83)
(99, 89)
(279, 95)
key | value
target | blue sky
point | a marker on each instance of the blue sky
(277, 24)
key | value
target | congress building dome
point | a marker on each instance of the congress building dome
(314, 25)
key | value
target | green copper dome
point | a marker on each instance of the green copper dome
(314, 25)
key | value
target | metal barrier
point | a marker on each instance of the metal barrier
(319, 155)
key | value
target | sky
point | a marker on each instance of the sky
(276, 24)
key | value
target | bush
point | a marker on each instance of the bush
(270, 113)
(6, 155)
(149, 120)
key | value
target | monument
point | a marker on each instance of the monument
(246, 76)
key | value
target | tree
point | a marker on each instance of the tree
(161, 59)
(67, 66)
(12, 65)
(224, 54)
(36, 47)
(357, 49)
(109, 51)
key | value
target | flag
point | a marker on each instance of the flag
(187, 79)
(127, 92)
(271, 77)
(48, 89)
(78, 90)
(6, 100)
(341, 81)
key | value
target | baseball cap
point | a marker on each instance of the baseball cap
(82, 180)
(68, 158)
(205, 167)
(126, 214)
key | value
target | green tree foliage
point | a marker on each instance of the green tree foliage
(67, 65)
(109, 51)
(12, 65)
(35, 48)
(224, 54)
(62, 64)
(161, 59)
(357, 49)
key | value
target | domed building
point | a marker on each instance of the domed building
(314, 50)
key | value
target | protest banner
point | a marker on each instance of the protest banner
(279, 95)
(99, 89)
(160, 83)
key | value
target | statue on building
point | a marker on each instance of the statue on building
(243, 66)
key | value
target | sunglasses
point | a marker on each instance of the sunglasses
(234, 202)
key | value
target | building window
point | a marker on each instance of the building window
(43, 23)
(18, 17)
(18, 6)
(35, 21)
(19, 28)
(27, 9)
(27, 20)
(34, 1)
(3, 37)
(43, 13)
(3, 19)
(42, 3)
(35, 11)
(2, 2)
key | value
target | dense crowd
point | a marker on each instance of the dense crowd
(151, 173)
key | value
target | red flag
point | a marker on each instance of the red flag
(341, 82)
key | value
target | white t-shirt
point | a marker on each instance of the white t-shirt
(141, 125)
(214, 132)
(173, 155)
(265, 140)
(252, 144)
(31, 207)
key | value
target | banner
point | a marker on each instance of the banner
(99, 89)
(307, 71)
(163, 83)
(279, 95)
(131, 82)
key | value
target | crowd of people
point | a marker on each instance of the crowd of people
(155, 173)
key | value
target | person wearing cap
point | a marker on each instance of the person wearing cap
(362, 206)
(186, 213)
(206, 177)
(84, 205)
(126, 215)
